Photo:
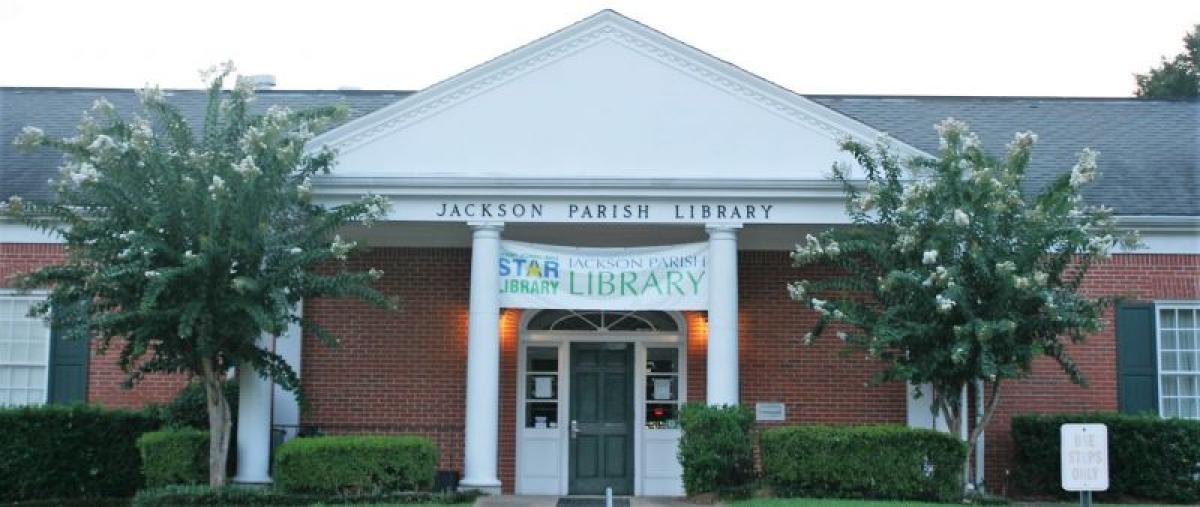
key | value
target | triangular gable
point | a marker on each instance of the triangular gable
(606, 97)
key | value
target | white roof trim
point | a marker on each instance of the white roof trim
(602, 26)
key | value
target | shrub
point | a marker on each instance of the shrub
(174, 456)
(1148, 458)
(188, 408)
(355, 464)
(249, 495)
(891, 462)
(717, 449)
(73, 451)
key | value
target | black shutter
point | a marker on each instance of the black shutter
(68, 369)
(1137, 359)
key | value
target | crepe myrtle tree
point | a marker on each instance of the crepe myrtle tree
(952, 273)
(183, 247)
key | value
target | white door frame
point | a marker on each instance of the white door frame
(563, 340)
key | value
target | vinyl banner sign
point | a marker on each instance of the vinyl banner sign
(671, 277)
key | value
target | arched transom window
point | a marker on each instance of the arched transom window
(602, 320)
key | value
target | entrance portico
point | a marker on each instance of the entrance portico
(604, 134)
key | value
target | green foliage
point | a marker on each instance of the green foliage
(73, 451)
(171, 496)
(1176, 78)
(951, 272)
(174, 456)
(717, 449)
(1148, 457)
(187, 409)
(891, 462)
(190, 244)
(356, 464)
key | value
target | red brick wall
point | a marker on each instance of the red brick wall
(395, 372)
(405, 372)
(16, 258)
(1141, 277)
(819, 383)
(104, 376)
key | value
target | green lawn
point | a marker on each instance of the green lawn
(798, 502)
(407, 505)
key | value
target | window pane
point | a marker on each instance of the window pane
(1187, 408)
(1169, 363)
(1170, 407)
(662, 388)
(541, 359)
(1187, 361)
(1166, 318)
(1186, 319)
(541, 387)
(541, 415)
(1169, 340)
(1187, 339)
(662, 416)
(1170, 385)
(1187, 385)
(662, 360)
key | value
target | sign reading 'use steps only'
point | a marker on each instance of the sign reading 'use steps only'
(1084, 457)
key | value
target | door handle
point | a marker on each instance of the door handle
(574, 428)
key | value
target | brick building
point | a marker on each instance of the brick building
(610, 144)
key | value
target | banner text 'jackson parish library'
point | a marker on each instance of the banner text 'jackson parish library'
(645, 278)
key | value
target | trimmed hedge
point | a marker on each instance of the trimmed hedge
(717, 449)
(1148, 457)
(174, 456)
(891, 462)
(72, 451)
(249, 495)
(355, 464)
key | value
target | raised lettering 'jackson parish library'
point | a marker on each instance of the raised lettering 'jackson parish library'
(593, 229)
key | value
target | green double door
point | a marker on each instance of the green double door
(601, 431)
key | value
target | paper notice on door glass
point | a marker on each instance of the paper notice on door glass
(662, 388)
(542, 387)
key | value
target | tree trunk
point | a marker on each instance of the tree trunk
(976, 432)
(218, 423)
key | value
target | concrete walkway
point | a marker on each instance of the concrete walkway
(552, 501)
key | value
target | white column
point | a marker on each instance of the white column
(722, 314)
(286, 410)
(254, 423)
(483, 361)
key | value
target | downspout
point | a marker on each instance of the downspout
(979, 444)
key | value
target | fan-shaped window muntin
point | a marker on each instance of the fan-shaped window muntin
(602, 320)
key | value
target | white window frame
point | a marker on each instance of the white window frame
(34, 295)
(1158, 368)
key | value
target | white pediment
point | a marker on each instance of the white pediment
(604, 98)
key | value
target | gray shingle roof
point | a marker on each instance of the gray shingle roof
(1149, 150)
(58, 110)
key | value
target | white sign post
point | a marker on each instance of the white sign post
(1084, 459)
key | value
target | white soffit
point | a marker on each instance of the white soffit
(606, 97)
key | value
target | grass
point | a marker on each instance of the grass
(814, 502)
(404, 504)
(797, 502)
(469, 504)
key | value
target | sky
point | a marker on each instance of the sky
(915, 47)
